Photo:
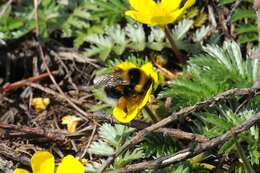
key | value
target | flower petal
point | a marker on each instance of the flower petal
(130, 107)
(146, 97)
(177, 14)
(125, 117)
(162, 20)
(188, 4)
(40, 104)
(140, 17)
(150, 72)
(69, 164)
(171, 4)
(18, 170)
(142, 5)
(180, 11)
(125, 65)
(43, 162)
(71, 122)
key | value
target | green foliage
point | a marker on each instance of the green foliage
(75, 19)
(215, 124)
(14, 27)
(224, 2)
(111, 138)
(244, 21)
(51, 17)
(17, 22)
(116, 40)
(208, 74)
(93, 16)
(157, 145)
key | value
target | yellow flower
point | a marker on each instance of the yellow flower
(40, 104)
(43, 162)
(152, 13)
(128, 107)
(71, 122)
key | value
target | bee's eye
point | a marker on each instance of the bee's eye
(134, 76)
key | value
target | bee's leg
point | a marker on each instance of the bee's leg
(122, 104)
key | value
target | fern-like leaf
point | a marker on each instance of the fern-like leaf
(217, 70)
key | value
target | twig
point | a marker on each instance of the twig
(52, 136)
(51, 92)
(89, 142)
(233, 9)
(13, 155)
(173, 117)
(25, 82)
(151, 114)
(176, 51)
(179, 134)
(67, 71)
(168, 74)
(190, 151)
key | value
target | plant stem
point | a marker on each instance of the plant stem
(176, 51)
(242, 155)
(151, 114)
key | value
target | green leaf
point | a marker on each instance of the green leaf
(248, 37)
(101, 148)
(245, 28)
(243, 14)
(225, 2)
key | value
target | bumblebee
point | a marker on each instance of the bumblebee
(128, 89)
(127, 83)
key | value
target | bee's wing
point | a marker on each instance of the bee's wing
(109, 81)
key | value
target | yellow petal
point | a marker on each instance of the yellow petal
(125, 65)
(149, 71)
(40, 104)
(189, 3)
(18, 170)
(171, 4)
(42, 162)
(130, 109)
(125, 117)
(71, 122)
(177, 13)
(142, 5)
(70, 165)
(140, 17)
(162, 20)
(146, 97)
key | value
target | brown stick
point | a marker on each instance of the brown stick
(176, 51)
(179, 134)
(25, 82)
(52, 136)
(190, 151)
(151, 114)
